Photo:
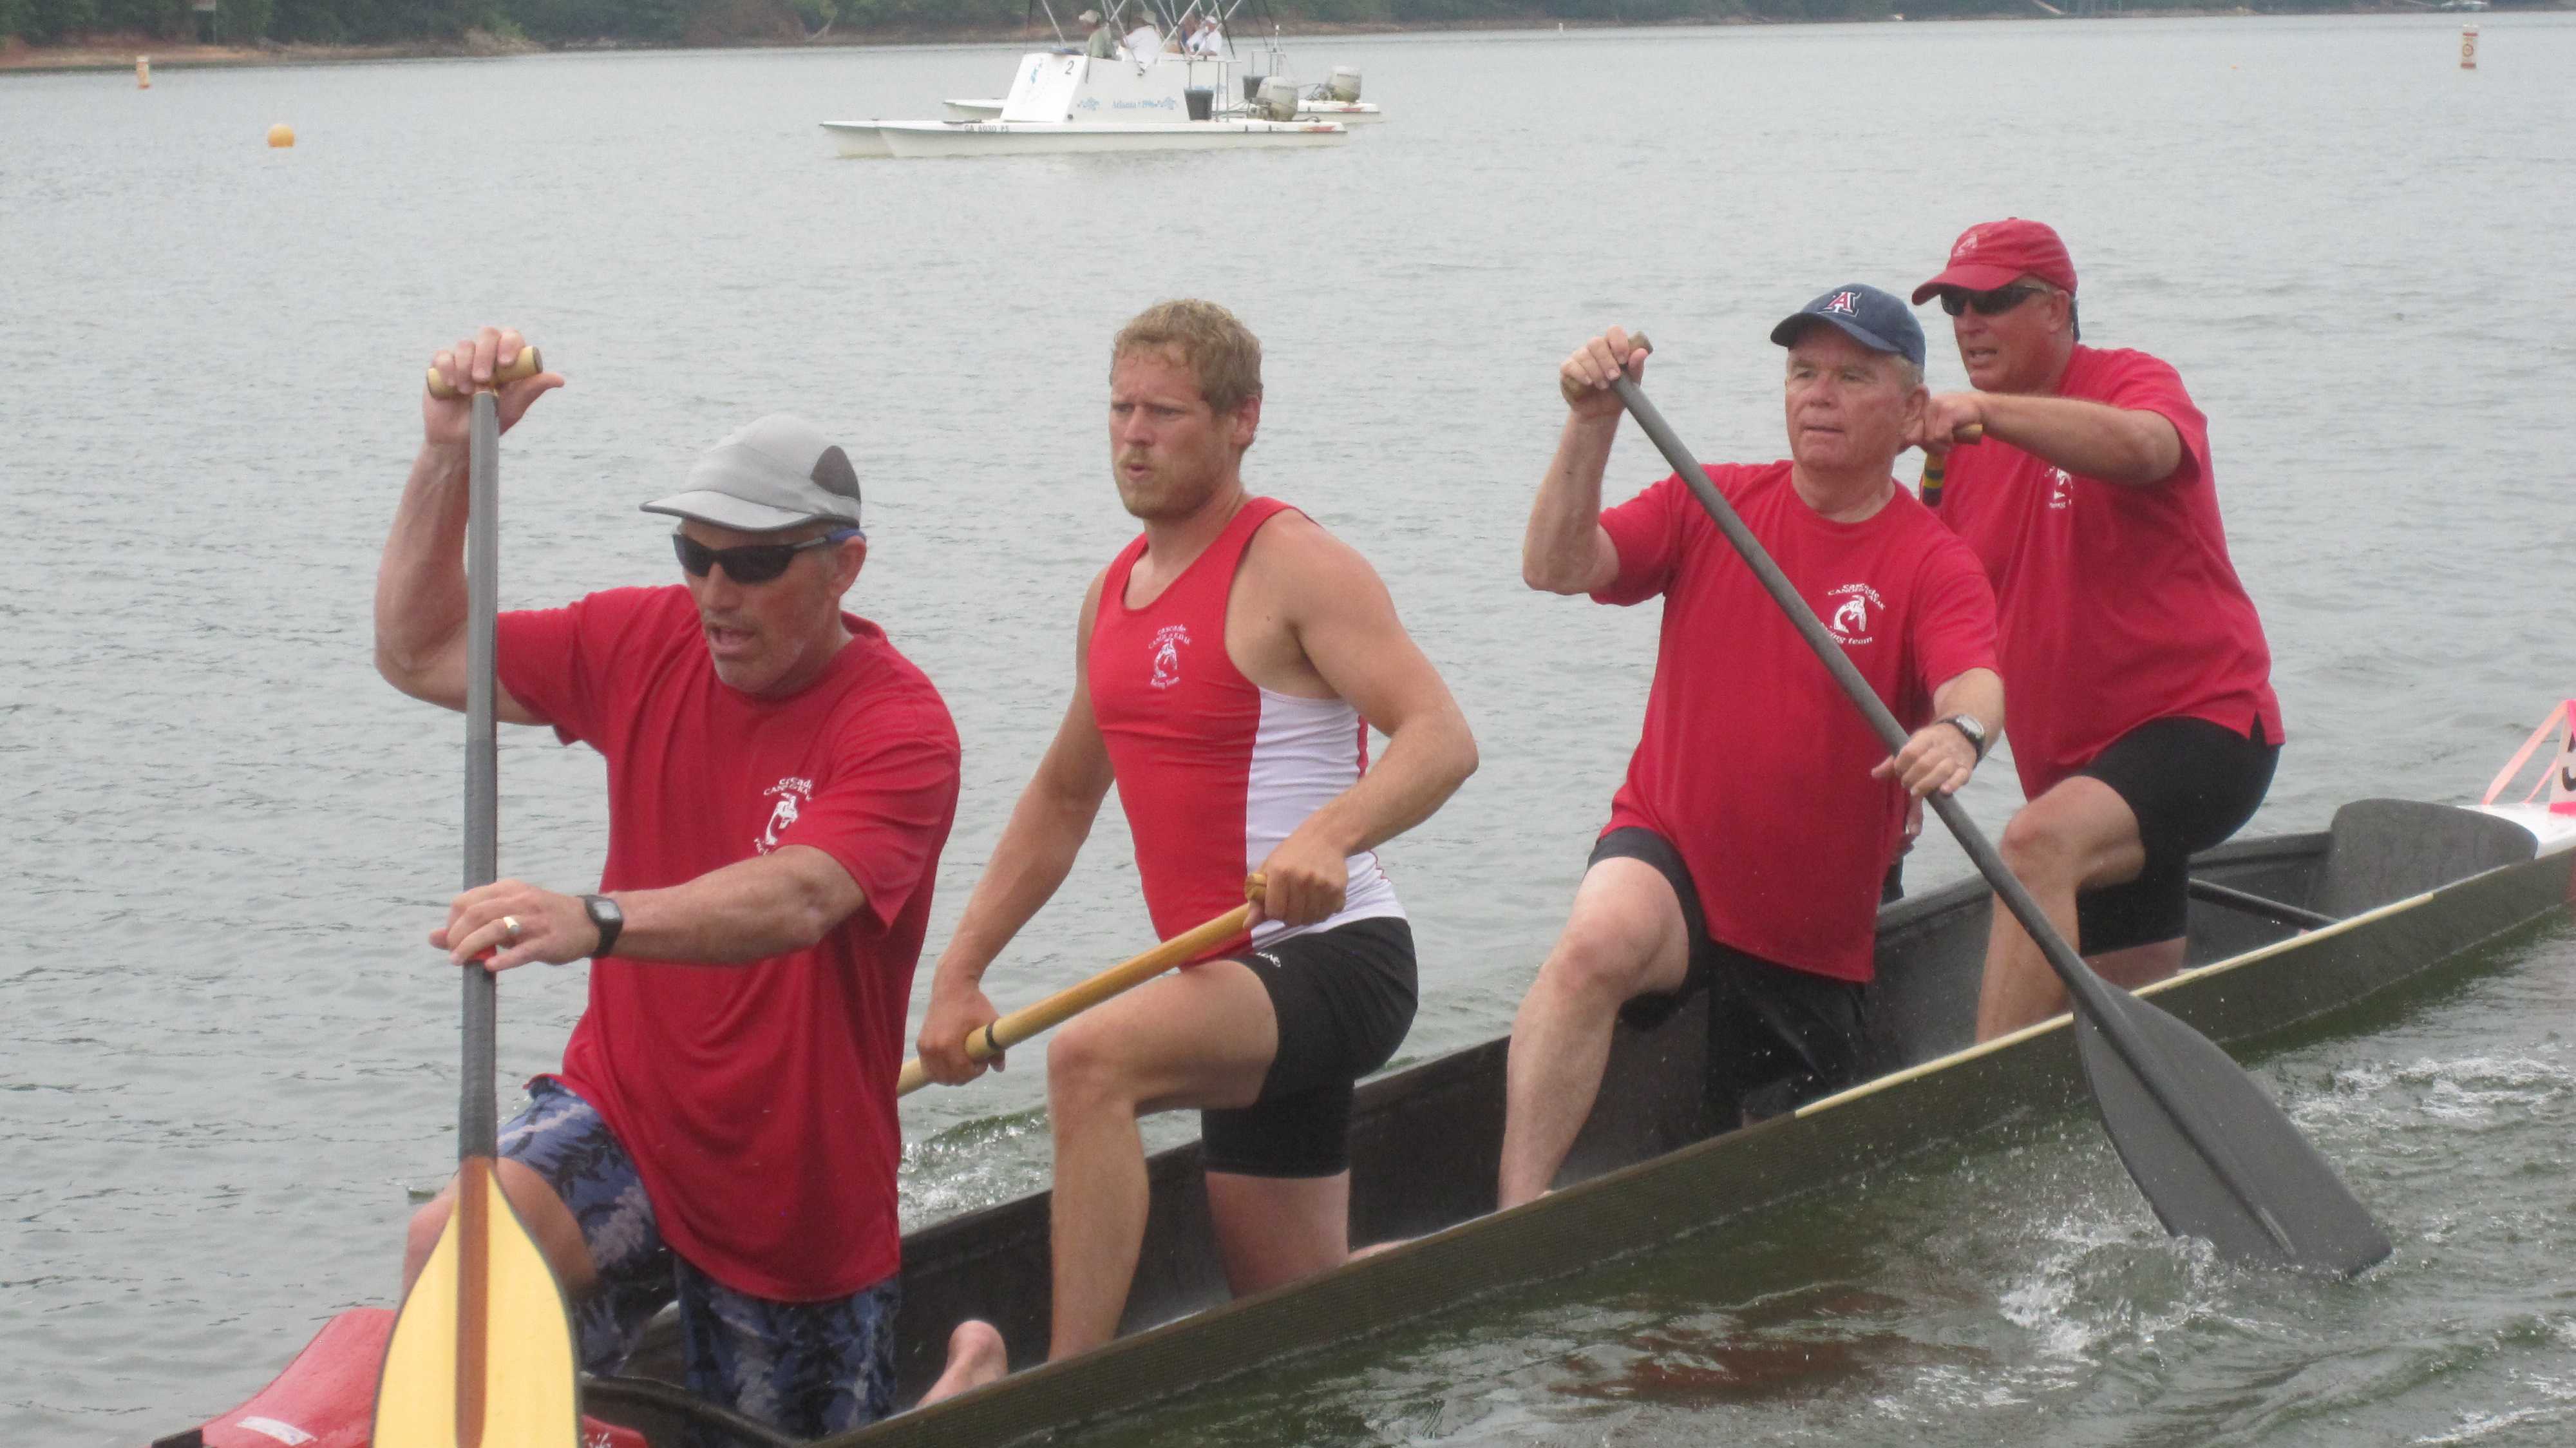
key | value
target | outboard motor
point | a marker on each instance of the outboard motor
(1345, 85)
(1278, 98)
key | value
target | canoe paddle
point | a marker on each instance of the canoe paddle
(482, 1350)
(1001, 1035)
(2215, 1156)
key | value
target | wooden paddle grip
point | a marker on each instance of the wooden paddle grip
(526, 364)
(1001, 1035)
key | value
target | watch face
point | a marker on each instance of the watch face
(603, 911)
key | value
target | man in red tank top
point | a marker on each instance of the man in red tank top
(2144, 723)
(1745, 850)
(1230, 662)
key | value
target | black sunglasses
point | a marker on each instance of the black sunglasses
(1989, 304)
(753, 562)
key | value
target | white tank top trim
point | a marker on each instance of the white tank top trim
(1309, 751)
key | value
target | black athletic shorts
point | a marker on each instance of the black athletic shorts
(1777, 1037)
(1344, 998)
(2191, 784)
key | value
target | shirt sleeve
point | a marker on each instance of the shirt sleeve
(2147, 384)
(541, 660)
(886, 810)
(1647, 534)
(1954, 620)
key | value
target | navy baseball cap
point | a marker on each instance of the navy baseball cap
(1871, 317)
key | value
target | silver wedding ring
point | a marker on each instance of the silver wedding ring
(510, 923)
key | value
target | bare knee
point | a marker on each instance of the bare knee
(1085, 1070)
(2040, 849)
(1597, 967)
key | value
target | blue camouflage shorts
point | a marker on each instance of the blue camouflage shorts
(808, 1368)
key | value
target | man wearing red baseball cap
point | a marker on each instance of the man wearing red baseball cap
(2144, 723)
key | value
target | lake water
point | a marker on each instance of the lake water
(229, 1060)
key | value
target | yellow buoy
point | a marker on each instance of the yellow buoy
(281, 135)
(143, 72)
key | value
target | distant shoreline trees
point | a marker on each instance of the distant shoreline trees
(721, 22)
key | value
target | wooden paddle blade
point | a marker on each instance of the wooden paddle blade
(528, 1393)
(2294, 1210)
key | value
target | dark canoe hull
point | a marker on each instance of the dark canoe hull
(2412, 885)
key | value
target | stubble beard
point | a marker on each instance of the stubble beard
(1163, 498)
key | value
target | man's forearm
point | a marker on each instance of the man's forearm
(1029, 863)
(1560, 551)
(1425, 761)
(2095, 439)
(1978, 693)
(420, 586)
(746, 911)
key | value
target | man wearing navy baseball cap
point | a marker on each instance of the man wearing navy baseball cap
(2145, 727)
(1744, 853)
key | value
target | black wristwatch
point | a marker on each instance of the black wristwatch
(603, 912)
(1967, 724)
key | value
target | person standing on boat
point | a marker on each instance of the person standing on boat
(1103, 43)
(1144, 42)
(2144, 723)
(722, 1130)
(1745, 852)
(1228, 666)
(1207, 39)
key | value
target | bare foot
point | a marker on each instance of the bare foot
(976, 1356)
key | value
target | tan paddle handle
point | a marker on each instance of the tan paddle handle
(526, 364)
(1073, 1000)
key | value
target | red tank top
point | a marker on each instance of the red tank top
(1214, 770)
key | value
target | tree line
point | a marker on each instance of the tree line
(719, 22)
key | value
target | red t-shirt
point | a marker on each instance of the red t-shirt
(1752, 762)
(756, 1099)
(2118, 603)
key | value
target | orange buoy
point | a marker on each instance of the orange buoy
(143, 72)
(281, 135)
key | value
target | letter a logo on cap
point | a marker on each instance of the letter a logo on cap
(1845, 303)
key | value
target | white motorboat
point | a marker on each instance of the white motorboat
(1074, 103)
(1159, 100)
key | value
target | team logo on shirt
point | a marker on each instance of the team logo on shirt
(787, 792)
(1167, 655)
(1850, 618)
(1847, 303)
(2061, 488)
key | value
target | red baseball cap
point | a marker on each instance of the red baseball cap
(1991, 254)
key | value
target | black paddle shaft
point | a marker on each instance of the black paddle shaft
(477, 1128)
(2103, 1006)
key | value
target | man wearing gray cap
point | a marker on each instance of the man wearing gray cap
(722, 1131)
(1744, 851)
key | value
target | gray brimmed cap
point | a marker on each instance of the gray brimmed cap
(779, 472)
